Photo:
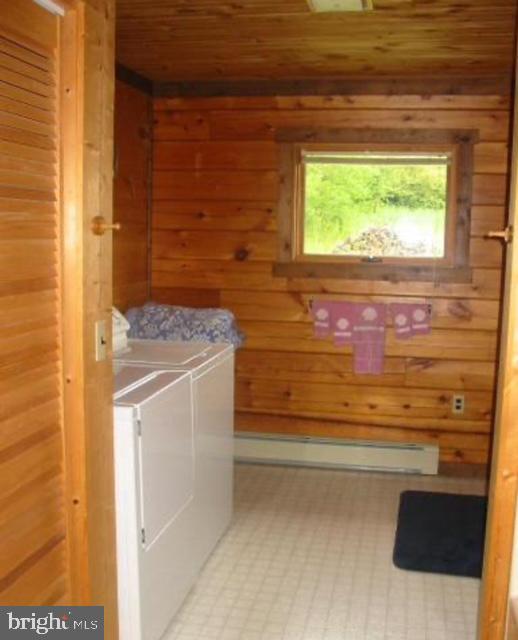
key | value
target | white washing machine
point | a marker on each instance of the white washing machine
(211, 370)
(155, 493)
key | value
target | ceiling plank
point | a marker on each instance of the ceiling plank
(184, 41)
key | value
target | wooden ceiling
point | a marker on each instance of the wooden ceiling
(208, 40)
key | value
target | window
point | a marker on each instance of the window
(375, 204)
(377, 208)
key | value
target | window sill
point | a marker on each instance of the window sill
(387, 272)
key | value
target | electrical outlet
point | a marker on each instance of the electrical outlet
(457, 404)
(101, 345)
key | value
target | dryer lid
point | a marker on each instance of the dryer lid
(171, 353)
(134, 385)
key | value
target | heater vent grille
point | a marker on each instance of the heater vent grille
(329, 452)
(336, 6)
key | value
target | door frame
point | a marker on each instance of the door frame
(503, 486)
(86, 101)
(87, 46)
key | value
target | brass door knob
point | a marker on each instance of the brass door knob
(100, 226)
(506, 235)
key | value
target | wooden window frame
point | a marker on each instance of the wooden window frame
(454, 267)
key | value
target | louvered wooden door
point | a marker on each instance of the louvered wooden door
(33, 561)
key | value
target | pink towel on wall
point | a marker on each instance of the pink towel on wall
(402, 318)
(410, 319)
(321, 310)
(369, 338)
(343, 318)
(369, 358)
(420, 319)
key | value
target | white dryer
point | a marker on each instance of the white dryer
(211, 370)
(154, 490)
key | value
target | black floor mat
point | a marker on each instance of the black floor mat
(440, 533)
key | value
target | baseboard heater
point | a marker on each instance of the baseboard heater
(330, 452)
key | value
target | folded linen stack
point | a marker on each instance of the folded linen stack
(166, 322)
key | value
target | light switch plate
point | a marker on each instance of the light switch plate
(101, 343)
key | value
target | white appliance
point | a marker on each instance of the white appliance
(210, 368)
(155, 493)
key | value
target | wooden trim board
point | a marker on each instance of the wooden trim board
(365, 271)
(485, 85)
(500, 549)
(134, 79)
(378, 136)
(87, 159)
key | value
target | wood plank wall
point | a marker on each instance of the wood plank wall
(133, 113)
(214, 225)
(33, 562)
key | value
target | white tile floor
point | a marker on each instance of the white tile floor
(309, 557)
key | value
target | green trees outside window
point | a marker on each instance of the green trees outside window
(375, 210)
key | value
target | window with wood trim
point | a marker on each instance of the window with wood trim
(375, 204)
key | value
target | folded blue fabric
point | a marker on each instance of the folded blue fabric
(167, 322)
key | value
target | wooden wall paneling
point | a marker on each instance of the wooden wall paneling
(203, 215)
(198, 298)
(459, 314)
(215, 245)
(485, 217)
(241, 246)
(454, 446)
(212, 185)
(354, 403)
(219, 274)
(33, 560)
(493, 125)
(133, 114)
(441, 343)
(216, 155)
(337, 368)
